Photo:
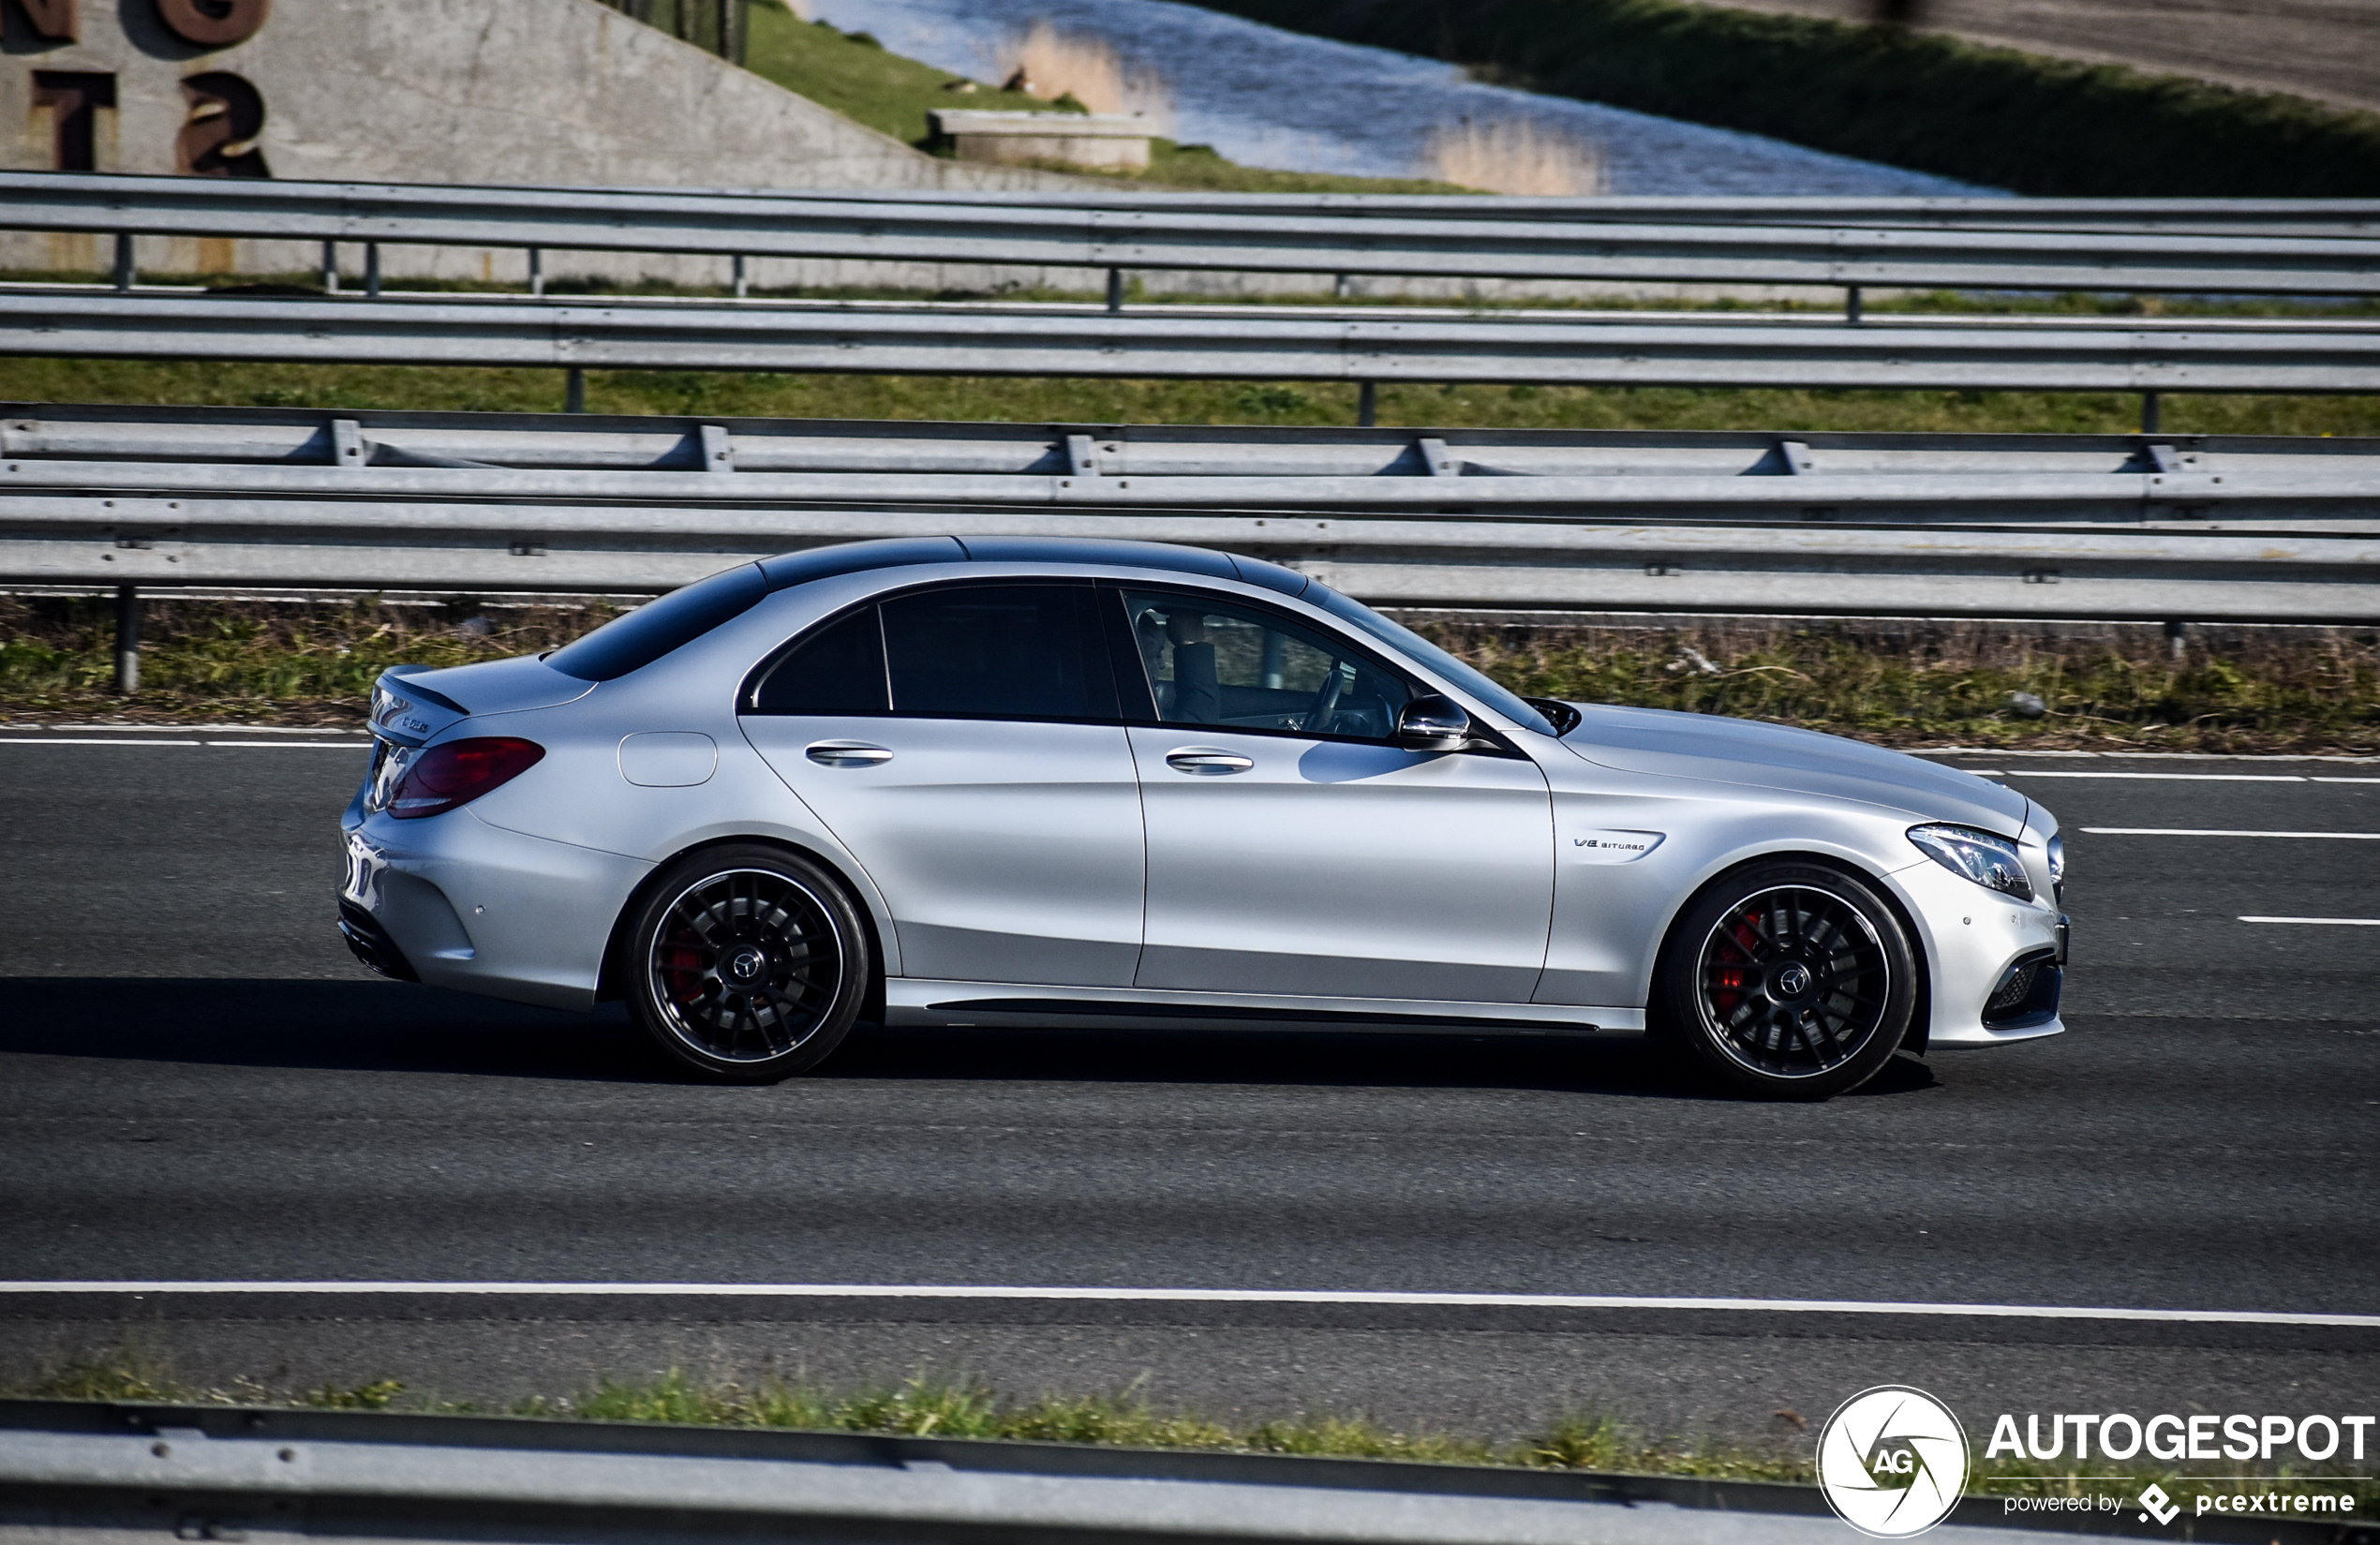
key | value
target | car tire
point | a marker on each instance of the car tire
(1790, 979)
(747, 964)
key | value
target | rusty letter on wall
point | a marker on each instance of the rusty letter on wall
(214, 23)
(220, 140)
(74, 98)
(50, 19)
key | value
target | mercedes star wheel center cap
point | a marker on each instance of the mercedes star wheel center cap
(1793, 980)
(747, 963)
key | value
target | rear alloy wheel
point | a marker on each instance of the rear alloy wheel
(1790, 980)
(750, 964)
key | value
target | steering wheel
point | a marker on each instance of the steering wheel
(1326, 701)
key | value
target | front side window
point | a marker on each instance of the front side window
(1212, 662)
(964, 651)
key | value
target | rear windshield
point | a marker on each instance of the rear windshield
(635, 641)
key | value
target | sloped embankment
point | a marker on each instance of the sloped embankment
(2000, 116)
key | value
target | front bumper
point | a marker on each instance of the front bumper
(459, 903)
(1973, 938)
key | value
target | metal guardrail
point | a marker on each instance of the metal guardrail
(222, 1473)
(1368, 345)
(2097, 526)
(1230, 236)
(2188, 483)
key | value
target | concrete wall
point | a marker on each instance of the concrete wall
(566, 92)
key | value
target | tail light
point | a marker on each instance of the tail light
(460, 771)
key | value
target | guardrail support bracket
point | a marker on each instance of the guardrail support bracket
(372, 270)
(124, 259)
(1367, 405)
(741, 287)
(1855, 305)
(537, 271)
(127, 639)
(1115, 289)
(329, 268)
(2149, 413)
(574, 390)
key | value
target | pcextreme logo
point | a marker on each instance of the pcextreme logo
(1891, 1461)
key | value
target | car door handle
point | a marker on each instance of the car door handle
(1206, 762)
(846, 753)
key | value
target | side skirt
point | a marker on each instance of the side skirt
(913, 1001)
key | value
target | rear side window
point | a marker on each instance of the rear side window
(631, 643)
(837, 670)
(999, 651)
(965, 651)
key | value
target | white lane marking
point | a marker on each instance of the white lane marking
(1200, 1295)
(2187, 778)
(2320, 780)
(265, 745)
(2322, 922)
(2192, 831)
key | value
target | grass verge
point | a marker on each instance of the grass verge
(1932, 102)
(959, 1408)
(1066, 400)
(1896, 683)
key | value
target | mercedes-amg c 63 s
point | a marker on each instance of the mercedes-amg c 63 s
(1031, 782)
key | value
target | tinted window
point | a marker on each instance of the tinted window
(1219, 662)
(1408, 643)
(839, 669)
(998, 651)
(653, 630)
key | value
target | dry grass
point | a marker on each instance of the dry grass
(1520, 156)
(1899, 683)
(1057, 64)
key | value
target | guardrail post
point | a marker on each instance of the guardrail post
(1367, 403)
(537, 271)
(1341, 288)
(1115, 289)
(329, 268)
(1854, 308)
(372, 269)
(2149, 413)
(574, 390)
(740, 289)
(127, 639)
(124, 259)
(2178, 640)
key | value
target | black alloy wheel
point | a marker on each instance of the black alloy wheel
(1791, 980)
(749, 965)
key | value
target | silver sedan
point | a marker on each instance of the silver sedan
(1035, 783)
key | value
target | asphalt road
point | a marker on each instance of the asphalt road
(196, 1083)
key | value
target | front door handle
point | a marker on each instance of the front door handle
(846, 753)
(1206, 762)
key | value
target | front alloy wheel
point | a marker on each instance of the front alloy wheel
(1790, 980)
(750, 964)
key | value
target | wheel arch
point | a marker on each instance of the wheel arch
(1922, 999)
(609, 980)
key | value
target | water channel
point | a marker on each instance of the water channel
(1272, 99)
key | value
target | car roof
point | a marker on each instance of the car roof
(850, 558)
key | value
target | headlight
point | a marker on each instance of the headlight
(2057, 861)
(1985, 859)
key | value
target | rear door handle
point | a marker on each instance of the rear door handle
(846, 753)
(1206, 762)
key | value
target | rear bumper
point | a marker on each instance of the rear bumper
(455, 902)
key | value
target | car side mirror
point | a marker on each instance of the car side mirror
(1433, 724)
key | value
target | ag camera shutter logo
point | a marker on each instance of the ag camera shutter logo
(1891, 1461)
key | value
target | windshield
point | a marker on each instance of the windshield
(1413, 647)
